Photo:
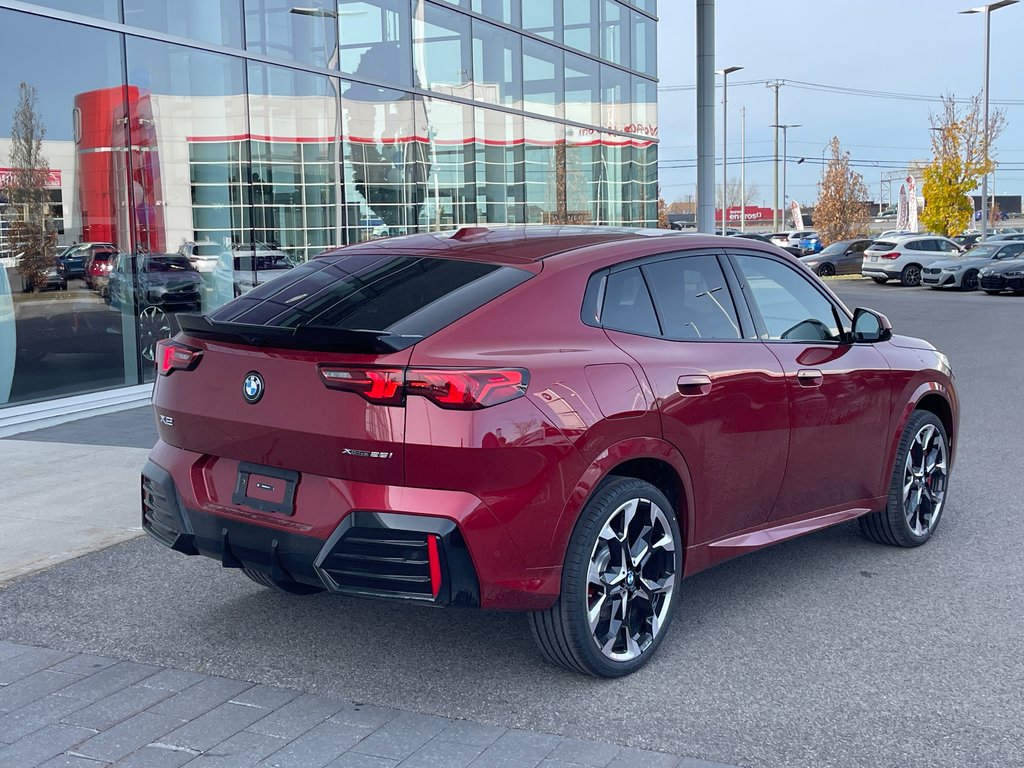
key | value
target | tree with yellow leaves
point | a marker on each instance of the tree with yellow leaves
(961, 155)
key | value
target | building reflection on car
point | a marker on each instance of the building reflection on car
(242, 267)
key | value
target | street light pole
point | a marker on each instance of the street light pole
(725, 137)
(987, 10)
(743, 169)
(785, 160)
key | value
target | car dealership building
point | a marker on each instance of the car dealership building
(299, 125)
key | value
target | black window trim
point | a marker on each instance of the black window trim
(598, 280)
(755, 311)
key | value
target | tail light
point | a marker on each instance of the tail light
(464, 390)
(893, 255)
(378, 385)
(173, 356)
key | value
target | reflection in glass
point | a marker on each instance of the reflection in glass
(211, 21)
(582, 89)
(645, 107)
(100, 9)
(293, 119)
(614, 33)
(375, 39)
(442, 50)
(497, 64)
(545, 172)
(306, 34)
(645, 44)
(386, 150)
(449, 189)
(543, 17)
(616, 111)
(499, 168)
(57, 334)
(582, 172)
(542, 78)
(614, 177)
(192, 184)
(501, 10)
(581, 25)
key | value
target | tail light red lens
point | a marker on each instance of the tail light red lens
(893, 255)
(173, 356)
(454, 389)
(467, 390)
(378, 385)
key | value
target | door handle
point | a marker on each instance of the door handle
(694, 385)
(810, 377)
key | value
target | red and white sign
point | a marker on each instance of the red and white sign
(750, 213)
(52, 177)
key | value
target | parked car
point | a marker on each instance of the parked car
(1008, 236)
(395, 419)
(810, 244)
(962, 271)
(76, 258)
(843, 257)
(891, 234)
(904, 258)
(203, 255)
(54, 278)
(162, 284)
(764, 239)
(241, 268)
(793, 237)
(967, 240)
(97, 268)
(373, 227)
(1003, 276)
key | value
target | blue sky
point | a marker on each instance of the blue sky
(904, 46)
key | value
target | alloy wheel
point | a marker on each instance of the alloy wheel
(970, 281)
(826, 270)
(631, 579)
(925, 476)
(153, 326)
(911, 276)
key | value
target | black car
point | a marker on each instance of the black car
(967, 241)
(843, 257)
(792, 249)
(1003, 276)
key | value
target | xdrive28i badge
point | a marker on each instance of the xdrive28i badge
(252, 387)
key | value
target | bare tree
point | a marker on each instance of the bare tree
(735, 196)
(961, 155)
(842, 208)
(30, 232)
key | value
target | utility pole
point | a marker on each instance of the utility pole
(775, 173)
(706, 116)
(743, 169)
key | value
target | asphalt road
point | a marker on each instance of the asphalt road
(825, 651)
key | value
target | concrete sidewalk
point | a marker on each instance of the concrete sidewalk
(73, 489)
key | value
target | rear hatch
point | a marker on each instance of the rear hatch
(877, 248)
(330, 342)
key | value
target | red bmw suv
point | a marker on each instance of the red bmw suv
(559, 420)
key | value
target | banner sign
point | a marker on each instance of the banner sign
(911, 204)
(52, 177)
(797, 214)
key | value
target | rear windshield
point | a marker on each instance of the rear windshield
(168, 263)
(103, 255)
(206, 250)
(410, 296)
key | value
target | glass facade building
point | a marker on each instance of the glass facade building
(249, 135)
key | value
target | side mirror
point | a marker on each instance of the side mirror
(870, 326)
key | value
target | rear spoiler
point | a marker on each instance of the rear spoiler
(311, 337)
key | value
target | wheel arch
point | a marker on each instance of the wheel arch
(649, 459)
(935, 398)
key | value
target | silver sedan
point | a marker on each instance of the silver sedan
(962, 271)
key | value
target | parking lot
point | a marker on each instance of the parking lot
(823, 651)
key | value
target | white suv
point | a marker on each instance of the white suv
(903, 258)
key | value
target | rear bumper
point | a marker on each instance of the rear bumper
(877, 271)
(435, 547)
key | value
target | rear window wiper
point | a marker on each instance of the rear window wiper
(310, 337)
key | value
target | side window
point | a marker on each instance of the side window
(627, 304)
(1012, 251)
(692, 298)
(861, 246)
(792, 308)
(915, 245)
(947, 246)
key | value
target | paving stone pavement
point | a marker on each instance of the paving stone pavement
(68, 710)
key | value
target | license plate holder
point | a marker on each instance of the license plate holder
(265, 489)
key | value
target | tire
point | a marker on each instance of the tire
(880, 280)
(910, 277)
(826, 270)
(924, 442)
(288, 588)
(64, 285)
(993, 293)
(969, 282)
(647, 590)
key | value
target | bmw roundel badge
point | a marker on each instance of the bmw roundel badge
(252, 387)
